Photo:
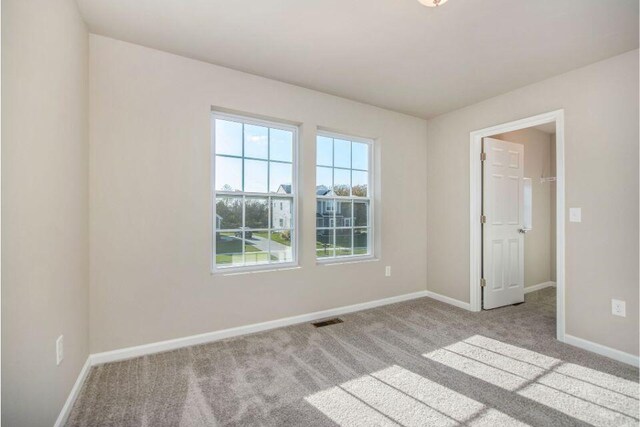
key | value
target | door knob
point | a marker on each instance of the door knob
(524, 230)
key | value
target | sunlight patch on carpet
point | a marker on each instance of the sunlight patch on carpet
(397, 396)
(591, 396)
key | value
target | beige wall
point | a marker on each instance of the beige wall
(151, 202)
(601, 160)
(45, 206)
(539, 241)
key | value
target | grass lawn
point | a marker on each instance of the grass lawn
(223, 259)
(275, 236)
(340, 251)
(232, 248)
(252, 254)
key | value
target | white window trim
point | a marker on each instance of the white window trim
(294, 263)
(371, 256)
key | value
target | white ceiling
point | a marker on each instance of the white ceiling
(394, 54)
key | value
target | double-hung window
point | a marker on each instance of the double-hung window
(254, 192)
(343, 196)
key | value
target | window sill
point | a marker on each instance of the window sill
(254, 269)
(346, 260)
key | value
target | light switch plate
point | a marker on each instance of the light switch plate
(59, 349)
(618, 308)
(387, 271)
(575, 214)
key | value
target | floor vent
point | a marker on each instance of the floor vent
(327, 322)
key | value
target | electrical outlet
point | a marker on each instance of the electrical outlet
(387, 271)
(618, 308)
(59, 349)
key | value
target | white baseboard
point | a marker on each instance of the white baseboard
(448, 300)
(75, 390)
(158, 347)
(539, 286)
(602, 350)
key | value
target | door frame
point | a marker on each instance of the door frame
(475, 203)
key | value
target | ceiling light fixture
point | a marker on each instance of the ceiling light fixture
(432, 3)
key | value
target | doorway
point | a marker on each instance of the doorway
(508, 232)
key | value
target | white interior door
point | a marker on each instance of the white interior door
(503, 208)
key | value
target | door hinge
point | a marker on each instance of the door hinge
(483, 156)
(483, 282)
(483, 219)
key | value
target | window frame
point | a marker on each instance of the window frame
(370, 198)
(246, 119)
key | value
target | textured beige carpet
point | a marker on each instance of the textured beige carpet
(415, 363)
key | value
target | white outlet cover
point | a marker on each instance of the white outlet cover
(575, 214)
(618, 308)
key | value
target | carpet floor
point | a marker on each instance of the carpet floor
(415, 363)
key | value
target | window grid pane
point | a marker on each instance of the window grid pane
(343, 213)
(270, 238)
(245, 231)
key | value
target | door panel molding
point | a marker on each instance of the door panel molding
(503, 199)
